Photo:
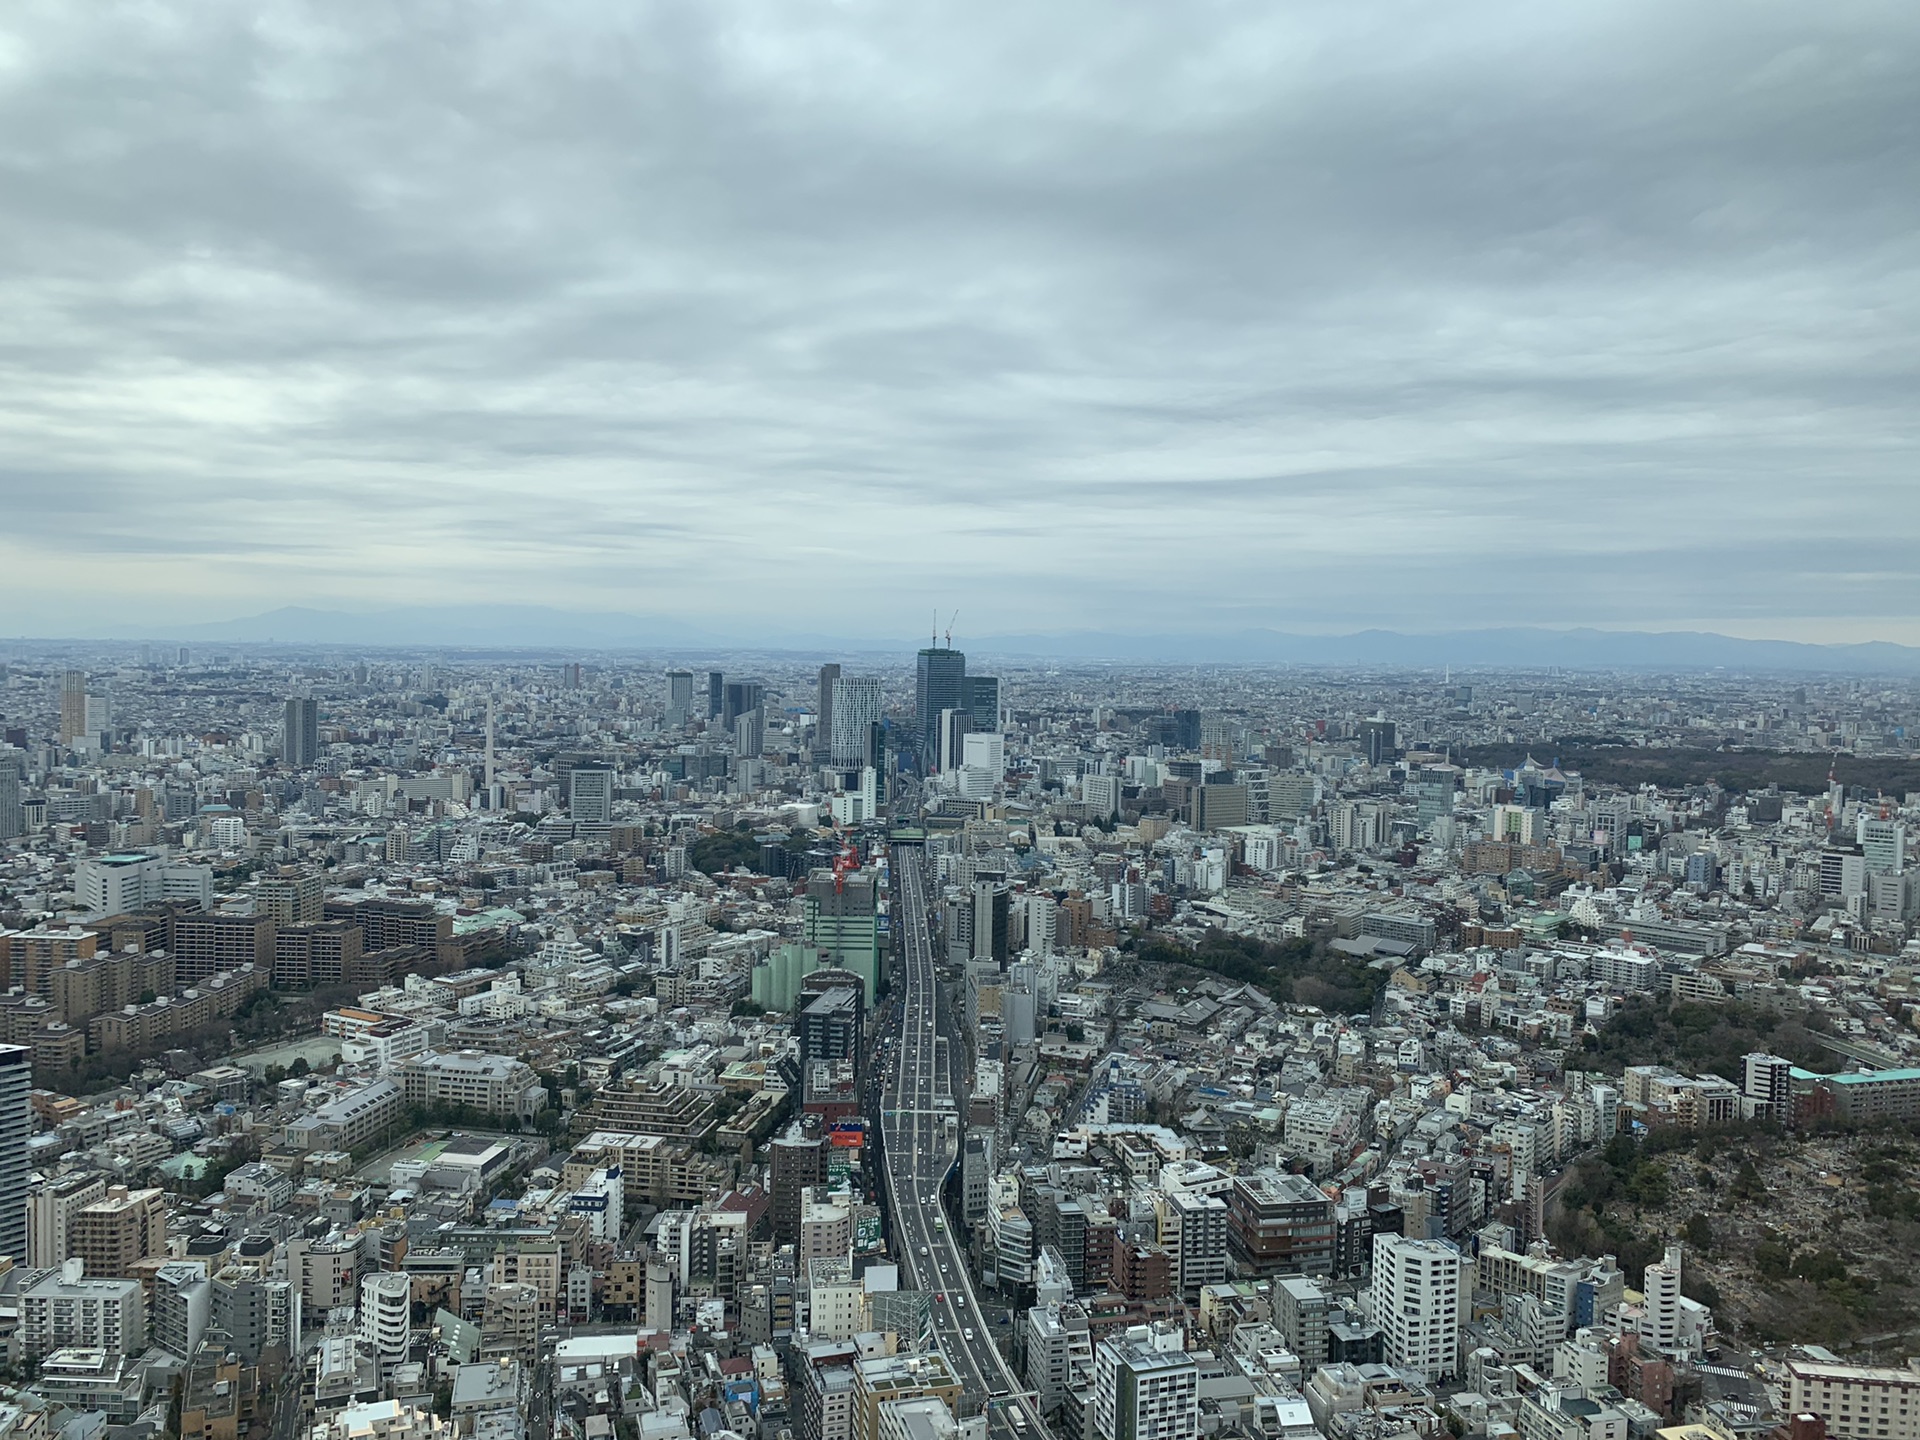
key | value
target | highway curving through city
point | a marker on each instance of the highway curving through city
(921, 1133)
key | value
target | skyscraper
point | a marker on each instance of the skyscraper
(716, 687)
(981, 698)
(856, 709)
(823, 725)
(73, 705)
(301, 745)
(16, 1124)
(679, 696)
(949, 739)
(939, 678)
(1377, 740)
(1416, 1303)
(11, 824)
(1884, 843)
(738, 697)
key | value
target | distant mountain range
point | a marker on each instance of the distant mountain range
(545, 628)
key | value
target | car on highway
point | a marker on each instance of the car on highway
(966, 1334)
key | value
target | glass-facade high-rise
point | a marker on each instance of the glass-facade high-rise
(939, 684)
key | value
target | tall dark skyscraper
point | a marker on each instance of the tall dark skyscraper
(16, 1126)
(11, 825)
(939, 681)
(823, 731)
(738, 697)
(1377, 739)
(301, 746)
(716, 692)
(982, 700)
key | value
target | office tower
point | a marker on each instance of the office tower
(16, 1124)
(571, 675)
(950, 734)
(985, 751)
(856, 710)
(1660, 1317)
(716, 692)
(1101, 795)
(750, 734)
(738, 697)
(99, 717)
(679, 696)
(590, 794)
(1145, 1386)
(938, 679)
(990, 910)
(73, 705)
(823, 722)
(1884, 844)
(1415, 1300)
(489, 761)
(12, 824)
(842, 919)
(1842, 872)
(300, 746)
(1377, 740)
(980, 695)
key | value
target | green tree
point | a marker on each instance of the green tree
(1699, 1234)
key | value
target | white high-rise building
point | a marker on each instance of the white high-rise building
(386, 1316)
(1415, 1300)
(1146, 1386)
(1660, 1319)
(856, 706)
(1884, 843)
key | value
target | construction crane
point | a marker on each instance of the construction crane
(844, 864)
(950, 619)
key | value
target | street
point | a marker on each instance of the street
(921, 1136)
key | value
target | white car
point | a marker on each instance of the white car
(966, 1334)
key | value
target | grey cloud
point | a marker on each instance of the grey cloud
(1055, 307)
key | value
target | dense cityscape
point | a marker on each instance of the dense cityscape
(417, 1044)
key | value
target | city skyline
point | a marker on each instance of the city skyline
(1316, 321)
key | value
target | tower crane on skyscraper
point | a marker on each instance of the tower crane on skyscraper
(950, 619)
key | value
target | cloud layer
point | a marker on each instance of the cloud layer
(1317, 316)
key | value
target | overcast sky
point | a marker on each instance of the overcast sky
(1107, 315)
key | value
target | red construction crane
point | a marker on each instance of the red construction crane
(844, 864)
